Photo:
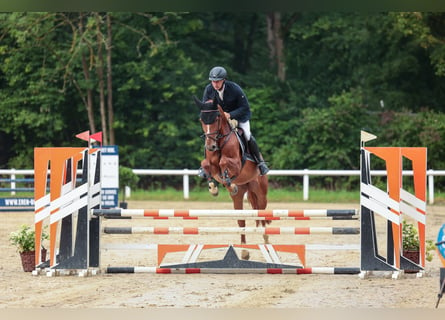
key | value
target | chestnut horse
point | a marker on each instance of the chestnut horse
(225, 164)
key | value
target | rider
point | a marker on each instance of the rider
(234, 102)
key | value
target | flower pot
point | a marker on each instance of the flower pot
(414, 256)
(28, 259)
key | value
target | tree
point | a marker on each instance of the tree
(30, 99)
(108, 46)
(133, 75)
(275, 42)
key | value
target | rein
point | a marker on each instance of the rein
(218, 134)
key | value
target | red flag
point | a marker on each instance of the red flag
(97, 137)
(84, 135)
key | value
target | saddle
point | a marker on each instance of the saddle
(245, 152)
(244, 149)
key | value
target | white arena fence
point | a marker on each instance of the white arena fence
(13, 182)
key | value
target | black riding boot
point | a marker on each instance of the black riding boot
(255, 151)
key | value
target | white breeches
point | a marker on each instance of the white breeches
(246, 128)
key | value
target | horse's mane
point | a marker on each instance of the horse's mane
(224, 119)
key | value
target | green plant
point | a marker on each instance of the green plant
(127, 178)
(24, 238)
(430, 248)
(410, 237)
(410, 240)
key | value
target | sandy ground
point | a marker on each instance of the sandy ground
(223, 291)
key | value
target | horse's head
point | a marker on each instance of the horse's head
(211, 121)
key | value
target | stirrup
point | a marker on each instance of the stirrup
(263, 168)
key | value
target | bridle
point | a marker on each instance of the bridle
(216, 135)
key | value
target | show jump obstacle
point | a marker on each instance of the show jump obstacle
(72, 211)
(394, 204)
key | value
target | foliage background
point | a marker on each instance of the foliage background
(313, 79)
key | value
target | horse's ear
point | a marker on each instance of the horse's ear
(197, 101)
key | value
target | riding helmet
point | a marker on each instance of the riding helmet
(217, 73)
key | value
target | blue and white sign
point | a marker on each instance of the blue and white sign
(441, 241)
(110, 177)
(16, 202)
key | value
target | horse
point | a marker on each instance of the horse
(227, 163)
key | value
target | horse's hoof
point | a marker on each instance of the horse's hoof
(245, 255)
(213, 189)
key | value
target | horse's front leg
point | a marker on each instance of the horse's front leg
(230, 169)
(213, 185)
(227, 179)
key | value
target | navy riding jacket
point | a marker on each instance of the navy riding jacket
(234, 100)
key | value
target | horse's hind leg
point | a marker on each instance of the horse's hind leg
(245, 255)
(257, 196)
(252, 199)
(238, 205)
